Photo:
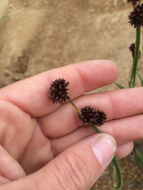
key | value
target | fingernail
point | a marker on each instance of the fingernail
(104, 149)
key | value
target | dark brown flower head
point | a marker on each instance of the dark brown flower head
(101, 118)
(92, 116)
(59, 91)
(132, 49)
(136, 16)
(134, 2)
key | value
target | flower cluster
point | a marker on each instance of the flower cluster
(59, 91)
(136, 16)
(92, 116)
(89, 115)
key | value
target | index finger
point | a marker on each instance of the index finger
(31, 94)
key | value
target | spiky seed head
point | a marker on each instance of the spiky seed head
(59, 91)
(88, 115)
(101, 118)
(136, 16)
(92, 116)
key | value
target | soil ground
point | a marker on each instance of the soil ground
(37, 35)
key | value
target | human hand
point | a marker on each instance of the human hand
(36, 134)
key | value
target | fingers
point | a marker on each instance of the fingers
(123, 130)
(61, 144)
(37, 153)
(9, 168)
(124, 150)
(4, 180)
(116, 104)
(31, 94)
(76, 168)
(126, 129)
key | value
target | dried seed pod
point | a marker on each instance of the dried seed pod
(136, 16)
(59, 91)
(101, 118)
(92, 116)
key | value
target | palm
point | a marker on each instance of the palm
(22, 137)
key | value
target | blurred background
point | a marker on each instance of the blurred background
(37, 35)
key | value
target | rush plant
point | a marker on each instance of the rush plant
(136, 22)
(93, 117)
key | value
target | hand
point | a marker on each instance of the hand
(36, 134)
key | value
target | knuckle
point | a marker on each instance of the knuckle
(73, 172)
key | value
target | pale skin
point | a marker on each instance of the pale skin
(34, 133)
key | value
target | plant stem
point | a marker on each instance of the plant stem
(119, 85)
(77, 110)
(119, 174)
(132, 81)
(116, 164)
(95, 129)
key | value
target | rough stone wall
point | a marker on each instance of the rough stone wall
(37, 35)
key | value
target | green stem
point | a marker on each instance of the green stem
(119, 174)
(116, 164)
(119, 85)
(78, 110)
(95, 129)
(132, 81)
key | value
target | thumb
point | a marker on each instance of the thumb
(77, 168)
